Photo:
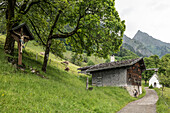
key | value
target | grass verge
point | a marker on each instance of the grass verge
(163, 104)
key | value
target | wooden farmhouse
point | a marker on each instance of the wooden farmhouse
(127, 74)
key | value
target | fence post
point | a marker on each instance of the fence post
(36, 56)
(87, 82)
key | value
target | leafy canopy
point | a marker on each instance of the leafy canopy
(164, 70)
(90, 26)
(150, 62)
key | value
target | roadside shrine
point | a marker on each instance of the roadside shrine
(21, 34)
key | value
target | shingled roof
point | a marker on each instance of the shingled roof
(26, 30)
(84, 68)
(110, 65)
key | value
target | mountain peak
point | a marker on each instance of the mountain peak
(154, 45)
(136, 47)
(140, 33)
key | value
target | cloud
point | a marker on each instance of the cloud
(150, 16)
(159, 5)
(127, 11)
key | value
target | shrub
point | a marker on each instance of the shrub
(107, 61)
(90, 63)
(85, 59)
(151, 87)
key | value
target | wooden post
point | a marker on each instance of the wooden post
(50, 61)
(87, 82)
(19, 54)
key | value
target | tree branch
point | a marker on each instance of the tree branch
(24, 9)
(50, 4)
(23, 6)
(3, 3)
(1, 8)
(36, 31)
(42, 9)
(62, 31)
(66, 34)
(81, 41)
(54, 24)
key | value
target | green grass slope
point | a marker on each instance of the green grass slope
(163, 104)
(62, 92)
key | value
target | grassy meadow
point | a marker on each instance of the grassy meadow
(59, 92)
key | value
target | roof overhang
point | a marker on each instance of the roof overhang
(25, 28)
(111, 67)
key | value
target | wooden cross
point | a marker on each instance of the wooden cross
(21, 34)
(20, 44)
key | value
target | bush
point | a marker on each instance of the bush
(90, 63)
(85, 59)
(107, 61)
(78, 63)
(75, 59)
(151, 87)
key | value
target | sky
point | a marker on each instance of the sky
(149, 16)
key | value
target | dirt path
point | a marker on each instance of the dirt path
(147, 104)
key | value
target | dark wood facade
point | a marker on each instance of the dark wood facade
(134, 75)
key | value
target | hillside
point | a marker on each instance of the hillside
(155, 46)
(60, 91)
(123, 54)
(136, 47)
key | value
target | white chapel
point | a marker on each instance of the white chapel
(154, 81)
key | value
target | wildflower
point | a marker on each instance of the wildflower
(3, 94)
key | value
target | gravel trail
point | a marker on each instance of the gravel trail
(147, 104)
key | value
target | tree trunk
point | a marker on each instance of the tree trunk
(48, 44)
(145, 82)
(9, 43)
(46, 56)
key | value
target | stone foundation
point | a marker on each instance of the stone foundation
(132, 89)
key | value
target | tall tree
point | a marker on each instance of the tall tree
(164, 68)
(155, 60)
(9, 43)
(88, 25)
(150, 62)
(94, 27)
(164, 71)
(2, 18)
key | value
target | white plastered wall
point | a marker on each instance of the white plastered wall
(154, 81)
